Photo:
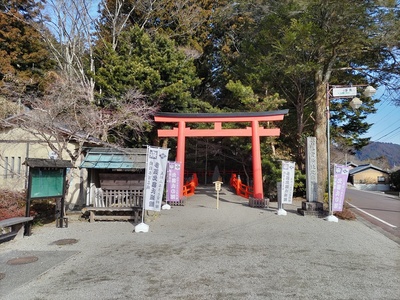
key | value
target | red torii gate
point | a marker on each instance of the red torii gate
(255, 131)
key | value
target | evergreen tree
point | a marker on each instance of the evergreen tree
(23, 55)
(302, 47)
(151, 64)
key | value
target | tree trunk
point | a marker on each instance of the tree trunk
(299, 141)
(321, 138)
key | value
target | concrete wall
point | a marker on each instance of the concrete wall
(15, 146)
(372, 187)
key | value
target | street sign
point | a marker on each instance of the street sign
(344, 92)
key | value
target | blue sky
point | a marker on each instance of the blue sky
(386, 128)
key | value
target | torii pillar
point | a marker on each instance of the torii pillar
(255, 131)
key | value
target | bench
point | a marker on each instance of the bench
(108, 213)
(9, 228)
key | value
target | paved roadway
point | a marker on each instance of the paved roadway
(379, 209)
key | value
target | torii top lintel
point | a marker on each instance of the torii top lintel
(218, 119)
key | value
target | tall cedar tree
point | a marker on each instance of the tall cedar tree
(23, 56)
(303, 46)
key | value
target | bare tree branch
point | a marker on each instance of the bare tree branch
(66, 115)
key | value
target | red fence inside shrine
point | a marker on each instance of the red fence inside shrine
(240, 188)
(190, 186)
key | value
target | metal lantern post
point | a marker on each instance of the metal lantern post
(335, 92)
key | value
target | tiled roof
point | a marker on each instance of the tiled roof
(361, 168)
(106, 158)
(48, 163)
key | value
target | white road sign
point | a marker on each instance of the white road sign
(344, 92)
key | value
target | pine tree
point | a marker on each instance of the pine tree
(154, 66)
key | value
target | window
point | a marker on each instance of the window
(6, 167)
(12, 166)
(19, 165)
(381, 179)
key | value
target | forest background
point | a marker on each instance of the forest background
(98, 72)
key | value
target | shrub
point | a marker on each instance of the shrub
(12, 204)
(395, 180)
(346, 213)
(43, 210)
(274, 170)
(299, 184)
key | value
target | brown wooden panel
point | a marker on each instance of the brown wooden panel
(121, 181)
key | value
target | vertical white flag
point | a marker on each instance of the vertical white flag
(287, 182)
(340, 176)
(156, 169)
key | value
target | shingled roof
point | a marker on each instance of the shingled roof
(108, 158)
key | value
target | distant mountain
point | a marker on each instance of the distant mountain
(380, 152)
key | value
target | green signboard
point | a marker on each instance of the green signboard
(47, 182)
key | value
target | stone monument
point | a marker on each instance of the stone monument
(312, 206)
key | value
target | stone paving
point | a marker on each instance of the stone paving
(196, 251)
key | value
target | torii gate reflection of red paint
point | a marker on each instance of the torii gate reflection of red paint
(255, 131)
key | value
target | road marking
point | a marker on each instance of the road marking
(372, 216)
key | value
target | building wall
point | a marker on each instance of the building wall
(370, 176)
(15, 146)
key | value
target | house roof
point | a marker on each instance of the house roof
(106, 158)
(48, 163)
(362, 168)
(351, 164)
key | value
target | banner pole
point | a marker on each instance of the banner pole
(166, 206)
(143, 211)
(142, 227)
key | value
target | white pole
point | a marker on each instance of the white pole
(280, 211)
(217, 199)
(142, 227)
(331, 217)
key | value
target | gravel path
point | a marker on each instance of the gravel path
(198, 252)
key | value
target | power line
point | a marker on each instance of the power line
(388, 133)
(387, 127)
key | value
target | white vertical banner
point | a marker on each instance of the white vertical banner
(341, 173)
(156, 169)
(287, 182)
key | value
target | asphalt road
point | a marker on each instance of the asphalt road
(377, 208)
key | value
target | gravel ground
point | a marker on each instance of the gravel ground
(198, 252)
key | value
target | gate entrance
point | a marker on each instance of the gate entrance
(255, 131)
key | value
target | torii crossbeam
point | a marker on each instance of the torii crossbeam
(255, 131)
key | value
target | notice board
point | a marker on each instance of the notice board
(47, 182)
